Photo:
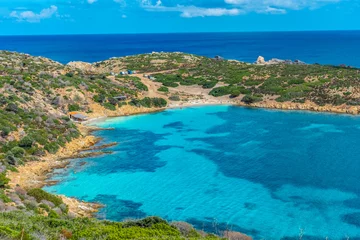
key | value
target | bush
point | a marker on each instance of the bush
(26, 142)
(69, 74)
(149, 102)
(5, 131)
(113, 101)
(3, 180)
(163, 89)
(99, 98)
(248, 99)
(109, 106)
(12, 107)
(209, 84)
(53, 214)
(18, 152)
(74, 107)
(40, 195)
(52, 147)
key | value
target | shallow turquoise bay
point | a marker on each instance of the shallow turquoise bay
(269, 174)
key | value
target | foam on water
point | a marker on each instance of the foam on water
(265, 173)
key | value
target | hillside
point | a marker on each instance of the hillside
(37, 134)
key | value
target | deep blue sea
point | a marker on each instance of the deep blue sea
(270, 174)
(334, 47)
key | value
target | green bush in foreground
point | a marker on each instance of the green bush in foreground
(13, 225)
(40, 195)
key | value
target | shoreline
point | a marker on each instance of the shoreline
(37, 174)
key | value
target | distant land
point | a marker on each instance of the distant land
(324, 47)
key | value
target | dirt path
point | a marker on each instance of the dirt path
(152, 86)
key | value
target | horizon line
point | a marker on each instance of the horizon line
(149, 33)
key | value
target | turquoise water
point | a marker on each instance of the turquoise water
(270, 174)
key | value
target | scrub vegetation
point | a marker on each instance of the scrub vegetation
(37, 94)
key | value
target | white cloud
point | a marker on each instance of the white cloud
(278, 5)
(234, 7)
(30, 16)
(91, 1)
(190, 11)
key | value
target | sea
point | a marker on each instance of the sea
(324, 47)
(267, 173)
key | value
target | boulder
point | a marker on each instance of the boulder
(58, 101)
(50, 204)
(58, 211)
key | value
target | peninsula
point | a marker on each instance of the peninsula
(44, 105)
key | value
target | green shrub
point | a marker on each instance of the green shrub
(170, 84)
(26, 142)
(296, 81)
(69, 74)
(52, 147)
(18, 152)
(3, 180)
(40, 195)
(249, 99)
(139, 85)
(109, 106)
(74, 107)
(5, 131)
(44, 206)
(53, 214)
(113, 101)
(209, 84)
(163, 89)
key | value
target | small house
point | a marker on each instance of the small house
(78, 117)
(130, 72)
(123, 73)
(152, 78)
(121, 98)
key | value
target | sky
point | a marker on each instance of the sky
(39, 17)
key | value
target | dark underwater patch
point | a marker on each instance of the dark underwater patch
(353, 203)
(352, 218)
(176, 125)
(284, 155)
(117, 209)
(250, 206)
(136, 151)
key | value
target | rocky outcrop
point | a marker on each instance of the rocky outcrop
(84, 66)
(261, 61)
(308, 105)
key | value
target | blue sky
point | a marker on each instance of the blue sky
(19, 17)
